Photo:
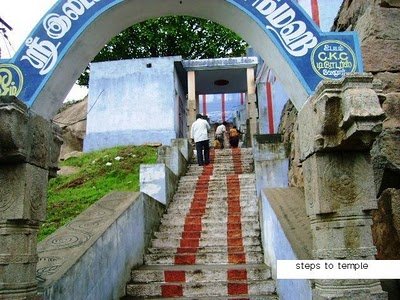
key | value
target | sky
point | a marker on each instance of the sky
(22, 16)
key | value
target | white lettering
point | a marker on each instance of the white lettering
(87, 4)
(41, 55)
(293, 33)
(73, 9)
(56, 26)
(266, 7)
(281, 17)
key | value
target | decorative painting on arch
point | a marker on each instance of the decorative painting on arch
(312, 54)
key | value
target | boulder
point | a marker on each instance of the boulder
(386, 225)
(72, 120)
(391, 107)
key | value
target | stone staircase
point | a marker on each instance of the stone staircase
(208, 245)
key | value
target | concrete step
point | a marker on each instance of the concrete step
(220, 172)
(190, 178)
(206, 234)
(245, 194)
(200, 273)
(213, 214)
(216, 228)
(206, 220)
(246, 197)
(207, 289)
(219, 210)
(221, 179)
(220, 166)
(209, 242)
(206, 258)
(215, 249)
(216, 190)
(186, 201)
(212, 185)
(259, 297)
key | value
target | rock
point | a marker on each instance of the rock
(391, 106)
(72, 121)
(67, 170)
(349, 13)
(386, 160)
(386, 225)
(380, 55)
(381, 23)
(390, 81)
(390, 3)
(72, 154)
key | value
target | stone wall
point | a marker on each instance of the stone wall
(377, 23)
(91, 257)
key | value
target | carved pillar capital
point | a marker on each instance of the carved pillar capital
(341, 115)
(26, 137)
(337, 127)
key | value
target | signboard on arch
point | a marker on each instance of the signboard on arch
(312, 54)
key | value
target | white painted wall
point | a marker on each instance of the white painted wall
(132, 102)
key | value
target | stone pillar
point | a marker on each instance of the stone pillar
(251, 105)
(337, 127)
(29, 149)
(192, 101)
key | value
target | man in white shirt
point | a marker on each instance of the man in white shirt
(199, 133)
(220, 133)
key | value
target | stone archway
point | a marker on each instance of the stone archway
(73, 31)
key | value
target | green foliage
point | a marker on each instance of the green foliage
(192, 38)
(69, 195)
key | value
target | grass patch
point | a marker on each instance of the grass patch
(99, 173)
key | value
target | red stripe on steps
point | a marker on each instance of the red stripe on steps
(234, 229)
(190, 238)
(235, 288)
(185, 259)
(237, 279)
(237, 275)
(236, 258)
(235, 242)
(172, 290)
(237, 160)
(189, 243)
(186, 250)
(174, 276)
(191, 235)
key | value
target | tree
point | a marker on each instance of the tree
(192, 38)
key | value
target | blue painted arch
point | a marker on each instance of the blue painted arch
(72, 32)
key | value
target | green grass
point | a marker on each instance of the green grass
(69, 195)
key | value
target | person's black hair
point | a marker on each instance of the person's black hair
(199, 116)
